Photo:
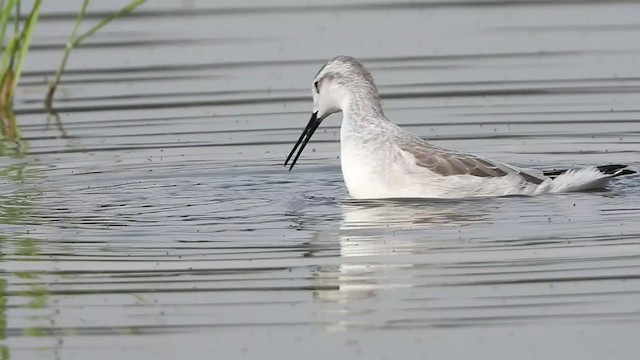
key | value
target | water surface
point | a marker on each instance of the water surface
(155, 216)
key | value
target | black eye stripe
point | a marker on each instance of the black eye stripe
(316, 85)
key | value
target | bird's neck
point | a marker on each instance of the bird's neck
(362, 119)
(362, 107)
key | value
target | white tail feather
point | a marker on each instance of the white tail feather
(585, 179)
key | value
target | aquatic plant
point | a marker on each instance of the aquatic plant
(75, 40)
(14, 53)
(15, 50)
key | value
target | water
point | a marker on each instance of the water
(156, 218)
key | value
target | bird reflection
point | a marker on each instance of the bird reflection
(378, 238)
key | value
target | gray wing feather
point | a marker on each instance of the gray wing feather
(446, 162)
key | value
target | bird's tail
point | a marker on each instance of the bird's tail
(610, 170)
(586, 179)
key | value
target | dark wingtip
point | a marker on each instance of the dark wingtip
(614, 170)
(625, 172)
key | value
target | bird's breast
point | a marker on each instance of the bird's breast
(366, 167)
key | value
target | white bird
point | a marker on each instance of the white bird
(381, 160)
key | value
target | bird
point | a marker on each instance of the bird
(381, 160)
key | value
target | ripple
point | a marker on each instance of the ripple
(154, 212)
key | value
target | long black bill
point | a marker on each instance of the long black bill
(311, 127)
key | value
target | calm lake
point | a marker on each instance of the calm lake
(155, 220)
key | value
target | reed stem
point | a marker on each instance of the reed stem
(13, 59)
(77, 40)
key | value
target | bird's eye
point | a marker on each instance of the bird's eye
(316, 85)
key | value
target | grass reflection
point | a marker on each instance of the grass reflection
(16, 206)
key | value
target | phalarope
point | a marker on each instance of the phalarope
(381, 160)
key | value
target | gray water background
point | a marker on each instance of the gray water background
(155, 219)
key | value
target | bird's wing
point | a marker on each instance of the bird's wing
(447, 162)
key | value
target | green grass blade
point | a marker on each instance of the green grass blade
(4, 20)
(16, 19)
(74, 41)
(25, 41)
(125, 10)
(6, 58)
(48, 99)
(79, 18)
(16, 35)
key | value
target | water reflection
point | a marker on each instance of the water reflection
(163, 206)
(410, 213)
(19, 201)
(377, 236)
